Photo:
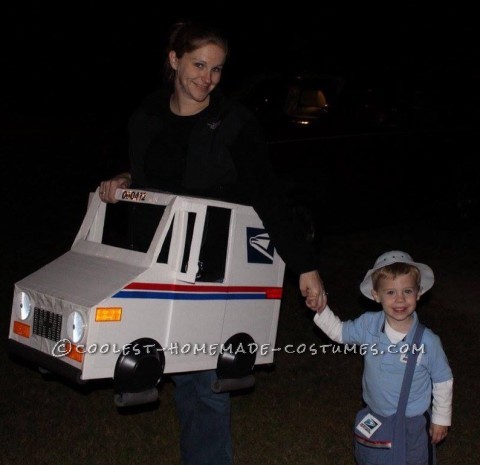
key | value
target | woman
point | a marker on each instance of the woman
(189, 139)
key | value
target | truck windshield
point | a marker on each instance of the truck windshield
(131, 225)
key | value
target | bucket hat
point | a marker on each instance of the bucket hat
(397, 256)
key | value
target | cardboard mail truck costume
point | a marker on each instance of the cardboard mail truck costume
(200, 291)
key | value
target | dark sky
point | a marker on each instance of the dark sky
(99, 58)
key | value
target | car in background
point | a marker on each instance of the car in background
(343, 142)
(321, 104)
(355, 102)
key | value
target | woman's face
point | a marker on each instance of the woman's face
(197, 73)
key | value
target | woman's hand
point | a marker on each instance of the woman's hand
(108, 188)
(311, 287)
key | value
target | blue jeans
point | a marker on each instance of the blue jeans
(204, 420)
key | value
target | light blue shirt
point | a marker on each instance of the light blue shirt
(384, 364)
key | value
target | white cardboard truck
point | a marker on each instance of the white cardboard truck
(156, 283)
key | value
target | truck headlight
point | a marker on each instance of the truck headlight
(23, 306)
(75, 327)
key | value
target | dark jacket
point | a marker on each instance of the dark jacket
(227, 159)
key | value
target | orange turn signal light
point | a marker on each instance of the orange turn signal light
(21, 329)
(108, 314)
(75, 354)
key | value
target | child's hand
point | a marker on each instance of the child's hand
(320, 310)
(438, 433)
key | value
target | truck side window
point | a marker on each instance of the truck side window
(163, 255)
(213, 252)
(188, 240)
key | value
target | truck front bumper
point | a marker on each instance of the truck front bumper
(55, 365)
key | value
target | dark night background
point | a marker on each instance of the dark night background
(96, 59)
(73, 72)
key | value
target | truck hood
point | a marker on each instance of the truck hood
(81, 279)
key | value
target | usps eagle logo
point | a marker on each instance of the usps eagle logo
(259, 246)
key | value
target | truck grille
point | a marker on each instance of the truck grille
(47, 324)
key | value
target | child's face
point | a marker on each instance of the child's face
(398, 297)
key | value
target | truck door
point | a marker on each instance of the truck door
(198, 254)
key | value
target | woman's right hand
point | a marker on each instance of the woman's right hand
(311, 287)
(109, 187)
